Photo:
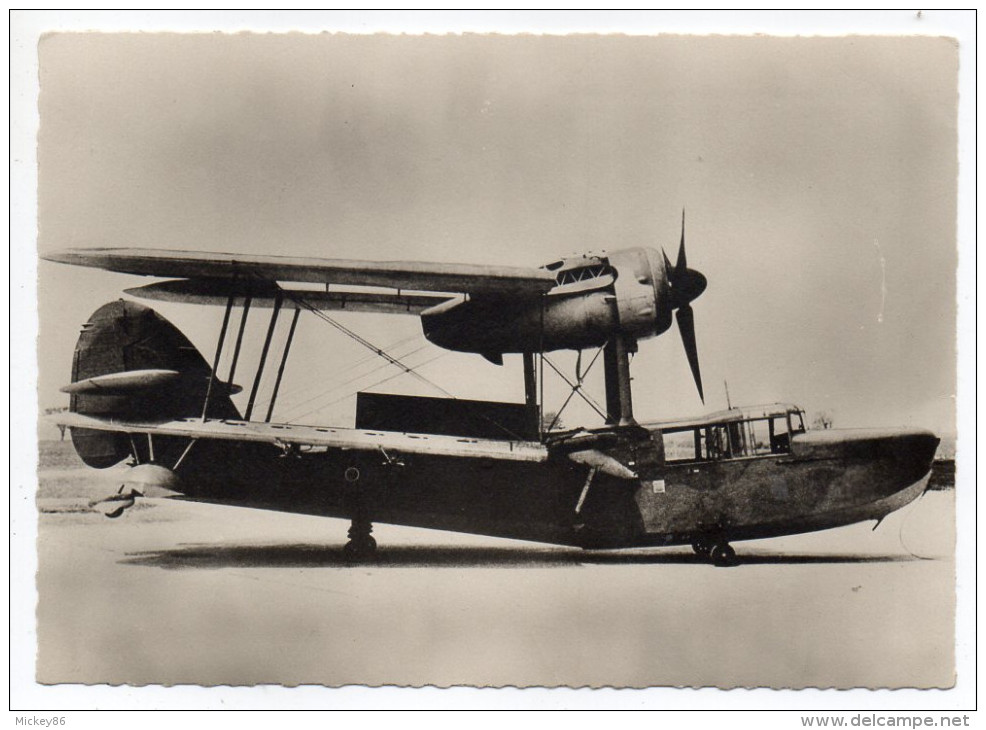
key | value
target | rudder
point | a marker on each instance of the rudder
(125, 336)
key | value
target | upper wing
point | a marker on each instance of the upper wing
(411, 275)
(340, 438)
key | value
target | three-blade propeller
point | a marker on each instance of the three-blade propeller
(686, 285)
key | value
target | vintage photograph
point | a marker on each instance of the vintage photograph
(489, 360)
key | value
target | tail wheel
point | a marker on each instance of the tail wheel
(722, 555)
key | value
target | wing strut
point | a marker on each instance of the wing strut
(219, 352)
(278, 300)
(241, 329)
(239, 339)
(280, 369)
(531, 393)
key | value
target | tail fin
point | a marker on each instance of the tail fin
(125, 337)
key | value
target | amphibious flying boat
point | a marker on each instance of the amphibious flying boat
(141, 393)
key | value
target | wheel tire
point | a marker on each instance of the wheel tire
(350, 552)
(361, 550)
(722, 555)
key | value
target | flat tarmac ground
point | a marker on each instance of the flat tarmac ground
(175, 592)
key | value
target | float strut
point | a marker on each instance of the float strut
(619, 401)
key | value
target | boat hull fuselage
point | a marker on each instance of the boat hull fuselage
(824, 482)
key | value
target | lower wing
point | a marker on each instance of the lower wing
(317, 436)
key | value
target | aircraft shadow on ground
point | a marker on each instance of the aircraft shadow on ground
(205, 557)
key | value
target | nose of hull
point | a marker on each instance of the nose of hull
(906, 455)
(919, 446)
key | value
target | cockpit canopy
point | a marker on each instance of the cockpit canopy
(732, 434)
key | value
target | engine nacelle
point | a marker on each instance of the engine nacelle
(624, 293)
(643, 292)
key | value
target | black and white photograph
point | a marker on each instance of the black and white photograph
(497, 359)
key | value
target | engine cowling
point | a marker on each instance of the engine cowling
(629, 292)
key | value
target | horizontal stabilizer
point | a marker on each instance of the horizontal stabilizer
(122, 383)
(131, 382)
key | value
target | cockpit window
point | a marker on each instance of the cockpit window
(584, 273)
(716, 442)
(760, 436)
(780, 439)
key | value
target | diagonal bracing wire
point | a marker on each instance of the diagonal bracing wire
(291, 395)
(370, 346)
(371, 385)
(390, 358)
(577, 387)
(348, 389)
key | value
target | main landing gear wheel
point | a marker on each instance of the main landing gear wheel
(722, 555)
(361, 546)
(360, 551)
(702, 548)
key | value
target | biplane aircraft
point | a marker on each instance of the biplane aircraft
(142, 393)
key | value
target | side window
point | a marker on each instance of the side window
(681, 446)
(737, 439)
(780, 440)
(758, 436)
(716, 443)
(797, 422)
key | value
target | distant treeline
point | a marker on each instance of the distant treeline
(942, 474)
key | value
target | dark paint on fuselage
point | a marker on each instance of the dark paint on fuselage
(816, 486)
(826, 479)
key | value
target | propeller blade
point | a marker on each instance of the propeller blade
(681, 264)
(686, 326)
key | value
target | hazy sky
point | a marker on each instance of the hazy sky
(818, 174)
